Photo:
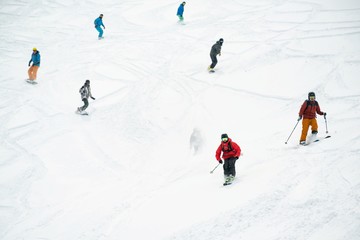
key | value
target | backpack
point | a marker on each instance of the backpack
(82, 90)
(308, 103)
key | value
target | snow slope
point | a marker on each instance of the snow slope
(138, 166)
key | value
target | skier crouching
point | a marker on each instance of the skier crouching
(230, 153)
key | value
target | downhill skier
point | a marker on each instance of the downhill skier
(307, 113)
(229, 151)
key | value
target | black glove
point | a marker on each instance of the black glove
(236, 158)
(92, 98)
(300, 117)
(220, 161)
(324, 114)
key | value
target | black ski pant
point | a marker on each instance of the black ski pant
(86, 104)
(214, 60)
(229, 166)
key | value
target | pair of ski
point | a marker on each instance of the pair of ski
(316, 140)
(228, 180)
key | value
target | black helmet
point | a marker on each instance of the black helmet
(87, 82)
(224, 135)
(221, 40)
(311, 94)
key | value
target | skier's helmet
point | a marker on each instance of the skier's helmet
(221, 40)
(311, 95)
(87, 82)
(224, 137)
(34, 49)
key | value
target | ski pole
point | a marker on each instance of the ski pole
(215, 168)
(326, 123)
(292, 131)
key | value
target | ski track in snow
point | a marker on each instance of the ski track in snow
(137, 166)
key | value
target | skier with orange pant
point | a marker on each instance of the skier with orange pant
(307, 113)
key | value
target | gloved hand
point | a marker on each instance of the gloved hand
(29, 64)
(300, 117)
(92, 98)
(220, 161)
(236, 158)
(324, 114)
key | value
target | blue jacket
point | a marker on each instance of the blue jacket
(98, 22)
(180, 10)
(35, 58)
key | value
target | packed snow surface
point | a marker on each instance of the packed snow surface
(138, 167)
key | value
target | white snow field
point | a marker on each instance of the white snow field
(138, 167)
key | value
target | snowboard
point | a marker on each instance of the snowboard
(210, 70)
(81, 112)
(33, 82)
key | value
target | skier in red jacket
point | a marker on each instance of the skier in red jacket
(230, 153)
(307, 113)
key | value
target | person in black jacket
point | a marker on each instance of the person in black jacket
(215, 50)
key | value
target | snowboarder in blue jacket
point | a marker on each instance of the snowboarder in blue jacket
(98, 23)
(180, 11)
(35, 60)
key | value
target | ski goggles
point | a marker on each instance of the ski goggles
(224, 139)
(312, 98)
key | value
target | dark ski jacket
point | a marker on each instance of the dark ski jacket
(216, 48)
(229, 149)
(309, 109)
(35, 59)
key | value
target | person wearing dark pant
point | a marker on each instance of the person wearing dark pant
(214, 61)
(215, 50)
(229, 166)
(86, 104)
(230, 152)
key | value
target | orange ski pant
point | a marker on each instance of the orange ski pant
(32, 72)
(306, 123)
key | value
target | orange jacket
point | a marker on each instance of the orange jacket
(233, 151)
(309, 109)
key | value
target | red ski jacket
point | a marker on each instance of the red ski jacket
(229, 149)
(309, 109)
